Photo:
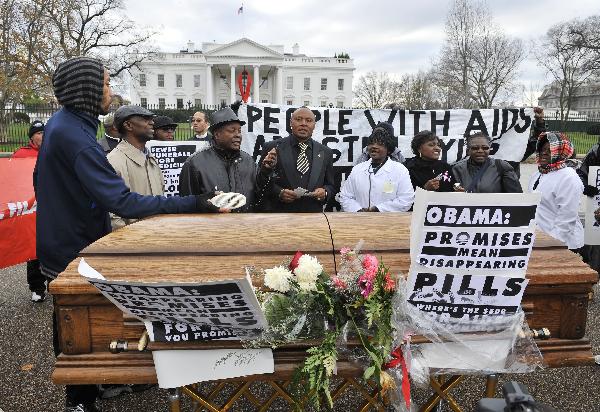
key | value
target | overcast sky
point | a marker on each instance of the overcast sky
(383, 35)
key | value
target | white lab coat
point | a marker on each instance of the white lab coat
(558, 212)
(390, 189)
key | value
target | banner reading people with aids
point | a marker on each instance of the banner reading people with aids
(17, 211)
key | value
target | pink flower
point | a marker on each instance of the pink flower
(339, 283)
(370, 262)
(366, 285)
(345, 250)
(389, 283)
(295, 259)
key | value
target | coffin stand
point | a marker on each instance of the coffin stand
(197, 248)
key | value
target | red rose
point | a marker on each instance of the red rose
(295, 259)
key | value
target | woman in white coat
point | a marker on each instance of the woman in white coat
(378, 184)
(561, 189)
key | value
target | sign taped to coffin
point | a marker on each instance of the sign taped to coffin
(228, 305)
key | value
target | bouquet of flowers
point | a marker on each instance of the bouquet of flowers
(301, 301)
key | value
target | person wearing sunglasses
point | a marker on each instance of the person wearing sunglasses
(479, 173)
(164, 128)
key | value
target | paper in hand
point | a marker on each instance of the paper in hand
(229, 200)
(300, 191)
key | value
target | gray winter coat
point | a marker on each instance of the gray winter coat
(499, 177)
(212, 170)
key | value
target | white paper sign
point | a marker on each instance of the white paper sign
(170, 157)
(228, 305)
(592, 227)
(451, 297)
(175, 368)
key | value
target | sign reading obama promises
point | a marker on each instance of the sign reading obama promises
(228, 305)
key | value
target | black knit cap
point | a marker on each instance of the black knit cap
(78, 84)
(36, 126)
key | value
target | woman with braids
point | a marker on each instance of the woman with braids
(426, 169)
(378, 184)
(479, 173)
(561, 189)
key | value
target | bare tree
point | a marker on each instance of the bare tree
(418, 92)
(49, 31)
(585, 35)
(568, 65)
(478, 61)
(376, 90)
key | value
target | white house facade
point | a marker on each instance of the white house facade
(209, 77)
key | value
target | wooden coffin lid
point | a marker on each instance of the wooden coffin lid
(193, 248)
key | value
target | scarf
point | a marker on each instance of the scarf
(561, 149)
(79, 83)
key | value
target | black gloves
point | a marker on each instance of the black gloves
(203, 205)
(590, 190)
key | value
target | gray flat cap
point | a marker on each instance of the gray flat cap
(220, 117)
(125, 112)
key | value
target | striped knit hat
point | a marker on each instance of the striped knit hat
(78, 84)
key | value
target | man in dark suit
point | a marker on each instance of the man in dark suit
(303, 178)
(200, 127)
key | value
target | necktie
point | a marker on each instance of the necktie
(302, 163)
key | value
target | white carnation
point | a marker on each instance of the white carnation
(308, 271)
(278, 278)
(307, 286)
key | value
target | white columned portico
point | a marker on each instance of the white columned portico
(278, 85)
(233, 80)
(209, 85)
(256, 80)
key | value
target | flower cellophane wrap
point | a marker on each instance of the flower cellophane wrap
(347, 313)
(483, 345)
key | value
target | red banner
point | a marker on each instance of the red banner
(17, 211)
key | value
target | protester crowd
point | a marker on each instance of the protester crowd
(86, 188)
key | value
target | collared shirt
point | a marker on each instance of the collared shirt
(390, 189)
(140, 171)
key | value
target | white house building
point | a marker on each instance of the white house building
(209, 76)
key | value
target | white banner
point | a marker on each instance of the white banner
(345, 130)
(592, 226)
(170, 157)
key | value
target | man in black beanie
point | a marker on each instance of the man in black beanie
(76, 187)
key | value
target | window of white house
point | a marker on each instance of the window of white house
(178, 80)
(180, 103)
(161, 80)
(223, 102)
(264, 83)
(289, 102)
(339, 104)
(161, 102)
(307, 83)
(289, 82)
(307, 103)
(323, 103)
(323, 83)
(264, 101)
(197, 102)
(196, 80)
(142, 79)
(340, 84)
(144, 102)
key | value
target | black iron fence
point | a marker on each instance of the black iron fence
(14, 124)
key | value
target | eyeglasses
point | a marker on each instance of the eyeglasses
(476, 148)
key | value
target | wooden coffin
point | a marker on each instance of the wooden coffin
(196, 248)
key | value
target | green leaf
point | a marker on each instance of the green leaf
(368, 372)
